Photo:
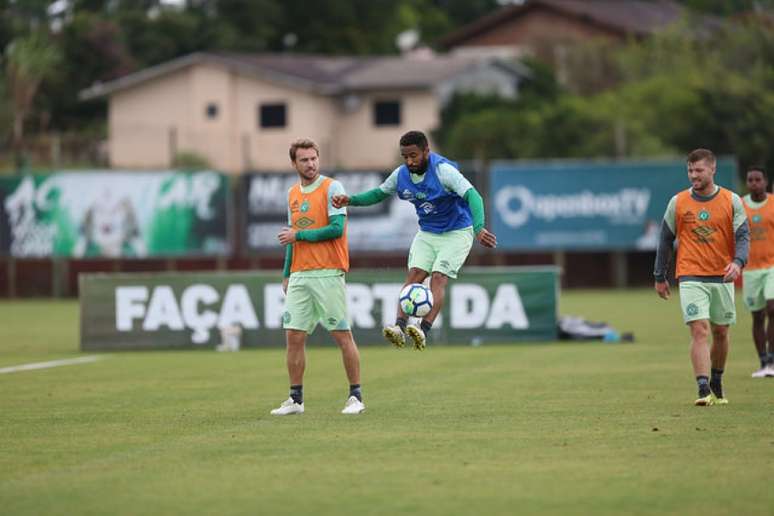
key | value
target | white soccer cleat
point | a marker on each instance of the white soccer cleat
(353, 406)
(288, 408)
(770, 371)
(417, 335)
(394, 335)
(762, 372)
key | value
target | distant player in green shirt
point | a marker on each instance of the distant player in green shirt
(451, 216)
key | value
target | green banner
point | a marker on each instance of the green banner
(114, 214)
(187, 310)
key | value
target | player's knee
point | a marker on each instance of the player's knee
(295, 338)
(719, 332)
(416, 275)
(699, 329)
(769, 310)
(440, 278)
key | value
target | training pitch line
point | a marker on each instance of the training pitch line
(51, 363)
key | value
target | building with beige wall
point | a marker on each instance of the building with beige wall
(241, 111)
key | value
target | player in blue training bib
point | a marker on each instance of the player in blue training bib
(451, 216)
(439, 210)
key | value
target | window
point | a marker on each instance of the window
(211, 111)
(387, 112)
(272, 115)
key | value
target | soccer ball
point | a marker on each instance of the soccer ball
(416, 300)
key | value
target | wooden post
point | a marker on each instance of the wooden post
(11, 270)
(620, 269)
(172, 146)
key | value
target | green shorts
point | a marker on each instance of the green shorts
(312, 300)
(758, 287)
(713, 301)
(441, 252)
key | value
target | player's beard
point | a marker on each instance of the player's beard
(421, 169)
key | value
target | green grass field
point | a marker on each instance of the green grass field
(556, 428)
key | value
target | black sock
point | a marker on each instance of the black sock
(354, 390)
(771, 358)
(764, 357)
(426, 326)
(401, 323)
(716, 382)
(703, 383)
(297, 393)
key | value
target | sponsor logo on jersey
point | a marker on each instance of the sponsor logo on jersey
(304, 222)
(703, 234)
(427, 207)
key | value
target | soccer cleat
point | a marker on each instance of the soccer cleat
(417, 335)
(353, 406)
(288, 408)
(770, 371)
(394, 335)
(718, 400)
(763, 372)
(704, 402)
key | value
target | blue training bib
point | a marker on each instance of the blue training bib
(438, 210)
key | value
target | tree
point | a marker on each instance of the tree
(29, 60)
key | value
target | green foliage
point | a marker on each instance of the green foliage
(726, 7)
(104, 39)
(189, 160)
(668, 94)
(28, 60)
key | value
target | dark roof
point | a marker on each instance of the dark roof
(627, 17)
(327, 75)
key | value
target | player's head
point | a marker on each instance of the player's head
(757, 180)
(305, 156)
(415, 151)
(701, 168)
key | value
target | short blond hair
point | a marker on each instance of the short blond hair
(302, 143)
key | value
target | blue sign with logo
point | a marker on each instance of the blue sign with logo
(615, 205)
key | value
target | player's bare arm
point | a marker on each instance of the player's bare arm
(487, 238)
(287, 236)
(662, 289)
(340, 200)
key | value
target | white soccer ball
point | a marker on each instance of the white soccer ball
(416, 300)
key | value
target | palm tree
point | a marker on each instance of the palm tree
(28, 60)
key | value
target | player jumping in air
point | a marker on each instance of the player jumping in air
(451, 216)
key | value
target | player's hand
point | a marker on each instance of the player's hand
(285, 285)
(662, 288)
(487, 238)
(287, 236)
(340, 200)
(731, 272)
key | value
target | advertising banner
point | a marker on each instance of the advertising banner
(188, 310)
(587, 205)
(389, 225)
(114, 214)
